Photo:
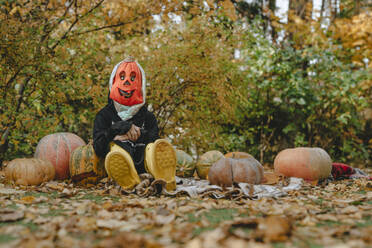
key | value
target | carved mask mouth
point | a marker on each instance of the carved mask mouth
(126, 94)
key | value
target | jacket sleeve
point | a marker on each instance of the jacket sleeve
(151, 129)
(104, 132)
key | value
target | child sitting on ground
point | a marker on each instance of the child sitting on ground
(126, 133)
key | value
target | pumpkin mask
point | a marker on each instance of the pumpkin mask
(127, 84)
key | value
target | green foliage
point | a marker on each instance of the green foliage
(6, 238)
(56, 60)
(48, 83)
(272, 97)
(303, 97)
(189, 71)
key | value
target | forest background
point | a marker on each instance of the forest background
(227, 75)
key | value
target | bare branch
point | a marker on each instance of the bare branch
(77, 18)
(11, 80)
(92, 9)
(100, 28)
(108, 26)
(57, 23)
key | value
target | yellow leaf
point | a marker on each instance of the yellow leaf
(270, 178)
(14, 10)
(229, 9)
(27, 199)
(358, 43)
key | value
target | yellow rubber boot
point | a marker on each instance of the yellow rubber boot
(160, 161)
(120, 167)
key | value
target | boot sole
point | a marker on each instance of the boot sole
(121, 170)
(164, 163)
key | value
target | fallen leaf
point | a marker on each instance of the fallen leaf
(87, 224)
(7, 215)
(236, 243)
(104, 214)
(128, 239)
(67, 193)
(26, 200)
(275, 228)
(270, 178)
(7, 191)
(55, 186)
(110, 223)
(194, 243)
(349, 210)
(164, 219)
(327, 217)
(212, 238)
(308, 221)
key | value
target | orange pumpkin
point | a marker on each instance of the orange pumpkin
(85, 166)
(303, 162)
(227, 171)
(29, 171)
(57, 148)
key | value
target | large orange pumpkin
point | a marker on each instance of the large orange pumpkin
(57, 148)
(303, 162)
(227, 171)
(29, 171)
(85, 166)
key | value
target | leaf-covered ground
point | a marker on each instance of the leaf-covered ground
(58, 214)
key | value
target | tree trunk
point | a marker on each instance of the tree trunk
(272, 7)
(322, 10)
(357, 7)
(333, 9)
(301, 8)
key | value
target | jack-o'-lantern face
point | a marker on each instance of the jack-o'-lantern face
(127, 86)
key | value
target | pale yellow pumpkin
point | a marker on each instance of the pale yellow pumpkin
(205, 161)
(29, 171)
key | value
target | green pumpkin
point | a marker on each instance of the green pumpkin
(85, 167)
(205, 161)
(185, 164)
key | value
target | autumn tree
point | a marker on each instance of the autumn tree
(215, 79)
(54, 63)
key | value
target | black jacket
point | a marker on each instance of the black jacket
(106, 125)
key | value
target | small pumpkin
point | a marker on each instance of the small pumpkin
(57, 149)
(238, 155)
(205, 161)
(309, 163)
(185, 164)
(227, 171)
(85, 166)
(29, 171)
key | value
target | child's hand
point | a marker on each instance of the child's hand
(134, 133)
(121, 137)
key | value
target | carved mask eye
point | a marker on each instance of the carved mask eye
(122, 75)
(132, 76)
